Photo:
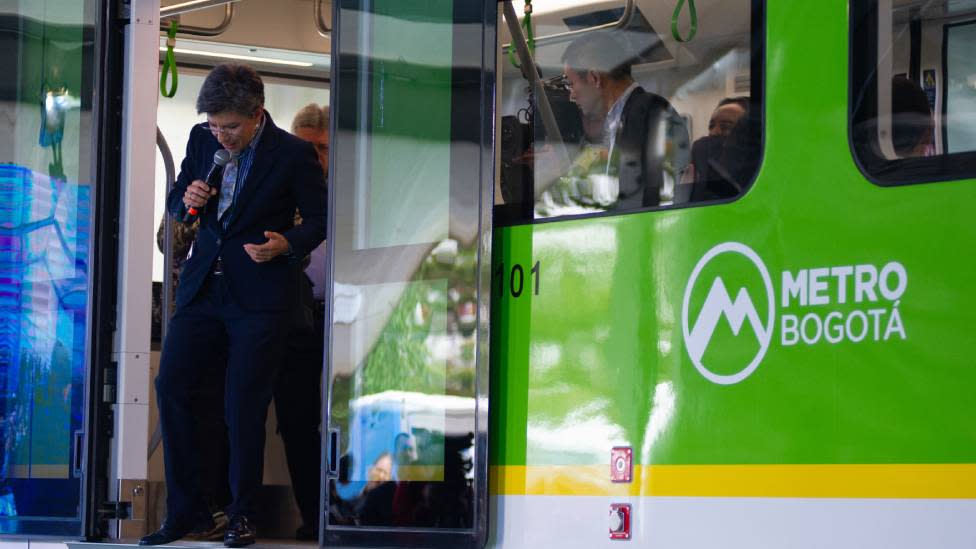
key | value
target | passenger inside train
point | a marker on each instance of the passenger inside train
(708, 176)
(912, 125)
(912, 100)
(639, 96)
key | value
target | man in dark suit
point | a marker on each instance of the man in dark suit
(643, 133)
(238, 287)
(297, 388)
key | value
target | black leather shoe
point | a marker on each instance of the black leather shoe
(215, 531)
(171, 531)
(240, 532)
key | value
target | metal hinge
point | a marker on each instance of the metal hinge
(115, 510)
(110, 382)
(125, 9)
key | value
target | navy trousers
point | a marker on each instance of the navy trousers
(199, 335)
(298, 404)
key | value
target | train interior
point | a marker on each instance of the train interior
(922, 102)
(680, 55)
(288, 42)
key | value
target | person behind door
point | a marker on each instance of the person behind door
(238, 286)
(708, 174)
(297, 388)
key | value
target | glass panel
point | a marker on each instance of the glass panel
(411, 153)
(914, 99)
(644, 120)
(45, 210)
(960, 117)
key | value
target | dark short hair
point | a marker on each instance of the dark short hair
(740, 100)
(231, 87)
(599, 52)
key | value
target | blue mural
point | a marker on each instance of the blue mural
(44, 253)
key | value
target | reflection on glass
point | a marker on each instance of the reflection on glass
(407, 402)
(915, 88)
(636, 113)
(407, 194)
(406, 244)
(961, 88)
(45, 203)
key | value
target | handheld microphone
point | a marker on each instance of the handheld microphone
(221, 158)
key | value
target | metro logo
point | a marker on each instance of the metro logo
(823, 305)
(718, 305)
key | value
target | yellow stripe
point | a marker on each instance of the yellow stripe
(940, 481)
(38, 471)
(49, 471)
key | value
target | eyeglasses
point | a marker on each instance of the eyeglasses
(558, 81)
(230, 129)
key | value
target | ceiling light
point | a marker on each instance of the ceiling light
(235, 56)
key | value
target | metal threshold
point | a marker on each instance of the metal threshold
(193, 544)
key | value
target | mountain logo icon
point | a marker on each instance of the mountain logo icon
(719, 307)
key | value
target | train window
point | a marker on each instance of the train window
(630, 112)
(913, 96)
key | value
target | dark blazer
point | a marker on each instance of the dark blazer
(285, 174)
(641, 170)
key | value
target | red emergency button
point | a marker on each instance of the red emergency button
(620, 521)
(621, 464)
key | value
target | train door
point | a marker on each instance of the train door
(58, 193)
(409, 236)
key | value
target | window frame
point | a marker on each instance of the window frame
(863, 105)
(509, 215)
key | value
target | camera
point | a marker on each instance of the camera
(520, 133)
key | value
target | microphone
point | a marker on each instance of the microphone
(221, 158)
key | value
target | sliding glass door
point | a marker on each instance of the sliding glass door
(47, 152)
(411, 184)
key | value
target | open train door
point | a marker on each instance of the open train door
(59, 201)
(409, 249)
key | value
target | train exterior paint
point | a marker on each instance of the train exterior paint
(832, 405)
(789, 368)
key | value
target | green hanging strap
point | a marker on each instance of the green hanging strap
(529, 35)
(169, 65)
(692, 13)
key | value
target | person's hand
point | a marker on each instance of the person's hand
(197, 194)
(275, 246)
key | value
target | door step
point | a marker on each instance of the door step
(191, 544)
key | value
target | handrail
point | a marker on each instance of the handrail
(618, 24)
(207, 31)
(531, 73)
(319, 23)
(693, 25)
(167, 288)
(192, 5)
(166, 297)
